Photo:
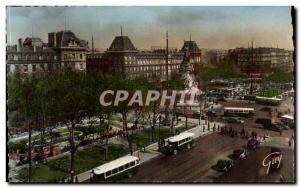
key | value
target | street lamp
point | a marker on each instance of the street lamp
(199, 110)
(159, 121)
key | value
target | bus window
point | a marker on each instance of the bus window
(108, 173)
(132, 163)
(121, 168)
(127, 165)
(114, 170)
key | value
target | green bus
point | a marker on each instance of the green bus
(238, 111)
(268, 101)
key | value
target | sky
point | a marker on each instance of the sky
(211, 27)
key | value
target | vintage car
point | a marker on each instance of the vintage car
(223, 165)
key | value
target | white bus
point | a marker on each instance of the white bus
(268, 101)
(178, 142)
(122, 166)
(288, 120)
(244, 112)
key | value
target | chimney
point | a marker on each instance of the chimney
(20, 45)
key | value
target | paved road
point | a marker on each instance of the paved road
(189, 165)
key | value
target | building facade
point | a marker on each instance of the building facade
(123, 57)
(71, 50)
(261, 61)
(31, 56)
(63, 50)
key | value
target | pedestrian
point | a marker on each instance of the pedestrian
(264, 137)
(203, 128)
(218, 128)
(290, 142)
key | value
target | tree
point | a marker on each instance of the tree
(72, 107)
(23, 97)
(280, 76)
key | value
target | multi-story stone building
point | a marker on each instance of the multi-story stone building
(31, 56)
(64, 50)
(123, 57)
(261, 61)
(71, 50)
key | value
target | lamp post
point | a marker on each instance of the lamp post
(159, 121)
(200, 110)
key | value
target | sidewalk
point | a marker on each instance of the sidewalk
(152, 150)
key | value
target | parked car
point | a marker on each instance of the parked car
(223, 165)
(211, 114)
(235, 120)
(239, 154)
(198, 115)
(253, 144)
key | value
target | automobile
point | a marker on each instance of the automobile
(211, 114)
(198, 114)
(253, 144)
(239, 154)
(266, 109)
(235, 120)
(223, 165)
(231, 116)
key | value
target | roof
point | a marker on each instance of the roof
(237, 108)
(121, 43)
(190, 46)
(114, 164)
(63, 38)
(288, 117)
(180, 137)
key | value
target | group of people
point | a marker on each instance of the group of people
(234, 132)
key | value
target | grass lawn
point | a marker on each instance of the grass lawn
(143, 138)
(271, 93)
(57, 169)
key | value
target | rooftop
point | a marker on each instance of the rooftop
(122, 43)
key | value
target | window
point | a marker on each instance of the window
(108, 173)
(127, 165)
(114, 171)
(121, 168)
(132, 163)
(25, 68)
(80, 56)
(33, 67)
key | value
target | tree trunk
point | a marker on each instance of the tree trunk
(186, 118)
(29, 154)
(72, 151)
(106, 148)
(51, 142)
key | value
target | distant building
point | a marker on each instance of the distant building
(64, 50)
(70, 49)
(123, 57)
(260, 61)
(31, 56)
